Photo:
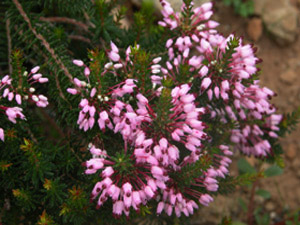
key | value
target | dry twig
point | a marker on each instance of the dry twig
(80, 38)
(66, 20)
(8, 45)
(43, 40)
(251, 207)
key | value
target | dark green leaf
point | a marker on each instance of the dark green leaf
(243, 204)
(245, 167)
(263, 193)
(273, 171)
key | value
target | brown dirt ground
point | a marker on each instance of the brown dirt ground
(284, 189)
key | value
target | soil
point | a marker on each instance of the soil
(281, 73)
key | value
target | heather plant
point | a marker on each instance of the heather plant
(19, 87)
(140, 122)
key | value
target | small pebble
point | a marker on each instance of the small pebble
(255, 29)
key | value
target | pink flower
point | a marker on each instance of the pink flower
(5, 79)
(127, 188)
(35, 69)
(155, 170)
(10, 96)
(149, 192)
(118, 65)
(37, 76)
(142, 99)
(205, 83)
(43, 80)
(156, 60)
(203, 71)
(205, 45)
(114, 47)
(107, 172)
(136, 198)
(77, 82)
(118, 208)
(205, 199)
(78, 62)
(87, 71)
(14, 113)
(160, 207)
(114, 56)
(1, 134)
(72, 91)
(18, 99)
(207, 6)
(95, 163)
(5, 92)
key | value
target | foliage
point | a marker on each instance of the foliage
(149, 96)
(244, 8)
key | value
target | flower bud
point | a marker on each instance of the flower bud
(78, 62)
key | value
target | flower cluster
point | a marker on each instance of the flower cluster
(224, 67)
(21, 91)
(126, 192)
(104, 99)
(170, 115)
